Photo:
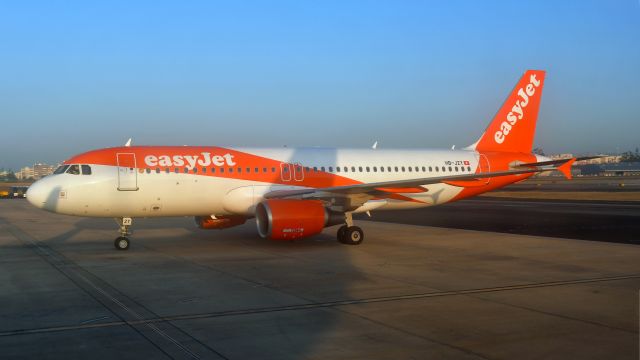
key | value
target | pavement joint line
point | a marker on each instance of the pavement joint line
(65, 265)
(328, 304)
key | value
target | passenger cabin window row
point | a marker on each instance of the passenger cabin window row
(307, 169)
(212, 170)
(74, 169)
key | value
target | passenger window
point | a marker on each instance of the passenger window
(230, 170)
(337, 168)
(396, 169)
(450, 168)
(360, 168)
(61, 169)
(213, 170)
(257, 170)
(353, 169)
(73, 170)
(264, 170)
(176, 170)
(381, 168)
(239, 170)
(273, 169)
(388, 168)
(417, 169)
(322, 168)
(221, 170)
(147, 170)
(157, 170)
(204, 170)
(248, 169)
(195, 170)
(424, 169)
(86, 170)
(456, 169)
(430, 169)
(167, 170)
(330, 168)
(468, 168)
(346, 169)
(403, 169)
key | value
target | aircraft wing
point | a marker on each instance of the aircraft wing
(376, 188)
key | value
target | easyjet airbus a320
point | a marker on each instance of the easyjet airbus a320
(295, 193)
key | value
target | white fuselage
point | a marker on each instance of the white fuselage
(174, 192)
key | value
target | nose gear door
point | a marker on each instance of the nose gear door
(127, 174)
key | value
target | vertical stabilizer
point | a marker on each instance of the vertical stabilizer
(514, 126)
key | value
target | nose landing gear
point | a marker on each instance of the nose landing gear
(122, 241)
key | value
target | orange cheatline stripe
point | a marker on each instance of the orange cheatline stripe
(243, 165)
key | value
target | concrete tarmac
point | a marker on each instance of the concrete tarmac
(586, 220)
(408, 292)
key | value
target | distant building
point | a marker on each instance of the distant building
(25, 173)
(611, 169)
(42, 170)
(560, 156)
(36, 172)
(602, 159)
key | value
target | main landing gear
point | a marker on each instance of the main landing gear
(122, 241)
(349, 234)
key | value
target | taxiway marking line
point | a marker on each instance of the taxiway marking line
(324, 304)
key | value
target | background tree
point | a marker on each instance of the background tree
(629, 156)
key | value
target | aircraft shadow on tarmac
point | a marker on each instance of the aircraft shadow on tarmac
(251, 272)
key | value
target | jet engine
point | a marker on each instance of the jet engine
(219, 222)
(287, 220)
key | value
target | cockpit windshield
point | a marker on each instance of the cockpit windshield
(74, 170)
(61, 169)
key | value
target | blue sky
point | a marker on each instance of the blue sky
(77, 75)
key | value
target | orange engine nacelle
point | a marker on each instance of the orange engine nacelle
(220, 222)
(293, 219)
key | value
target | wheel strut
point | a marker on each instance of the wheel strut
(122, 241)
(348, 233)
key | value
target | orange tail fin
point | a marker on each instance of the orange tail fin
(513, 127)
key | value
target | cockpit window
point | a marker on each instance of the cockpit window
(61, 169)
(86, 169)
(74, 170)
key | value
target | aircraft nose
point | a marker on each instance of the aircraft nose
(37, 194)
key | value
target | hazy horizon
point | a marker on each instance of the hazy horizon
(77, 76)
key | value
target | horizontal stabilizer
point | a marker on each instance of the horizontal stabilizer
(565, 168)
(555, 162)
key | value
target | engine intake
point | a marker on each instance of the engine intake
(294, 219)
(220, 222)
